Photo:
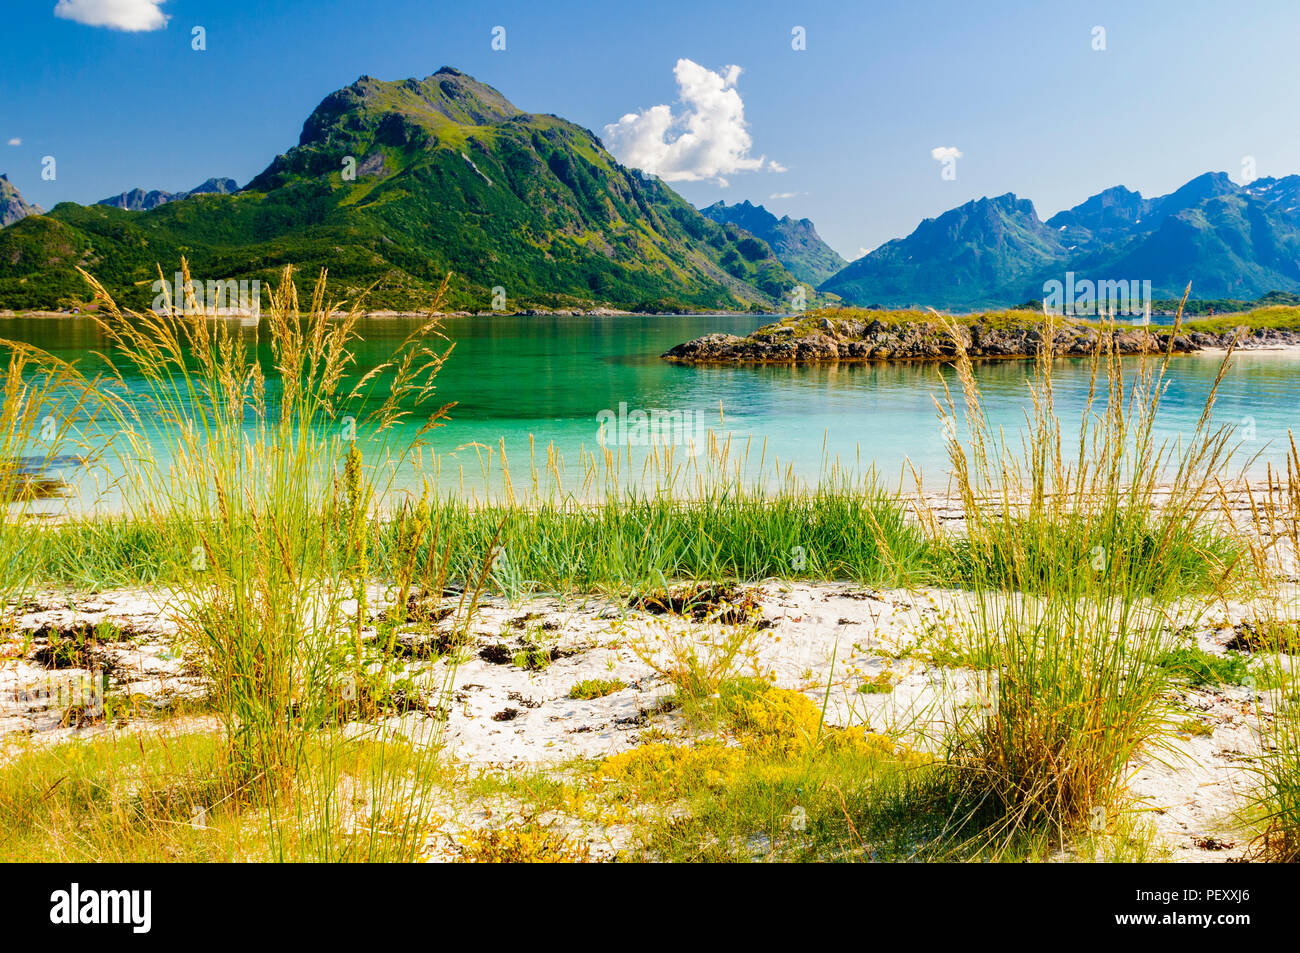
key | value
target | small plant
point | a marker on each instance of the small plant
(533, 659)
(521, 844)
(75, 646)
(698, 659)
(535, 655)
(1195, 728)
(658, 770)
(596, 688)
(768, 718)
(727, 605)
(881, 684)
(1199, 668)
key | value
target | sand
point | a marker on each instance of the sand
(503, 717)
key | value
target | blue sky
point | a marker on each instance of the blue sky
(1181, 88)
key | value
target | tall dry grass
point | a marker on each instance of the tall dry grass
(1075, 560)
(276, 475)
(48, 413)
(1275, 552)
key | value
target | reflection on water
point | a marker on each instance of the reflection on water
(550, 378)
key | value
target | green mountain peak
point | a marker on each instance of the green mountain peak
(396, 183)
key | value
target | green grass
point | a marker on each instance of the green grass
(637, 542)
(881, 684)
(1195, 728)
(829, 532)
(163, 795)
(1158, 557)
(841, 807)
(1272, 639)
(1277, 773)
(1199, 668)
(1281, 318)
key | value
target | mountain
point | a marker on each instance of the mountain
(1229, 241)
(957, 260)
(138, 200)
(214, 187)
(794, 241)
(395, 184)
(12, 205)
(1282, 194)
(1103, 218)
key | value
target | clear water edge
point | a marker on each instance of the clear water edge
(547, 385)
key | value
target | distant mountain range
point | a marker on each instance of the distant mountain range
(12, 205)
(138, 200)
(1229, 241)
(794, 241)
(395, 184)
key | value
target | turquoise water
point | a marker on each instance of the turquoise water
(552, 377)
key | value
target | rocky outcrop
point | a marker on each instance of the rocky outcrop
(825, 340)
(12, 205)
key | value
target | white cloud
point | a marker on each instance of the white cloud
(707, 140)
(132, 16)
(15, 141)
(943, 153)
(783, 195)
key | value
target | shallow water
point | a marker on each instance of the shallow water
(552, 377)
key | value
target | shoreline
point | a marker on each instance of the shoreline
(383, 314)
(592, 312)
